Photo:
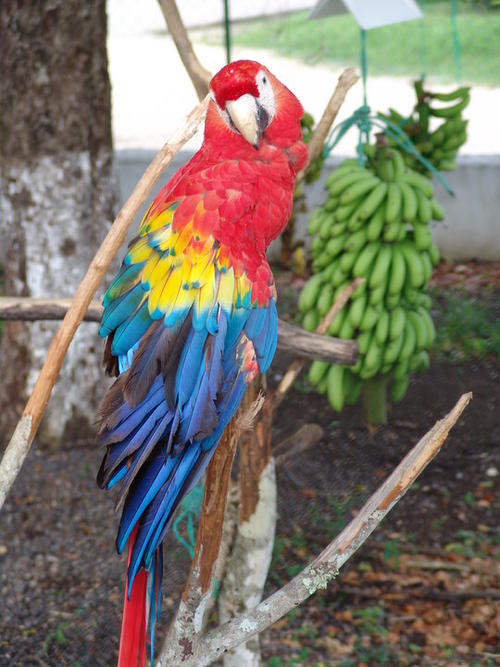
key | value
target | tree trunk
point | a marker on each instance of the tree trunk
(56, 194)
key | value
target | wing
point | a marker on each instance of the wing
(188, 331)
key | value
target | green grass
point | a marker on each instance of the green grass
(466, 327)
(394, 50)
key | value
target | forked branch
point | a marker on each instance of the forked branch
(325, 567)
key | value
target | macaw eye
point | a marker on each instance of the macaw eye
(264, 80)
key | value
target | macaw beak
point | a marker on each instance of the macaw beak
(249, 117)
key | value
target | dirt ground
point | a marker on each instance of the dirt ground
(424, 590)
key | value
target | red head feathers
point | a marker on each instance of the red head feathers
(254, 106)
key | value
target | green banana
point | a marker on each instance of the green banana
(322, 386)
(373, 357)
(421, 361)
(399, 388)
(364, 340)
(392, 300)
(437, 210)
(434, 254)
(382, 328)
(427, 264)
(325, 300)
(392, 349)
(410, 202)
(338, 186)
(309, 294)
(394, 200)
(341, 171)
(419, 327)
(317, 371)
(317, 246)
(347, 261)
(424, 208)
(422, 236)
(414, 268)
(385, 169)
(397, 323)
(449, 112)
(357, 310)
(418, 181)
(335, 391)
(315, 221)
(364, 262)
(375, 226)
(338, 321)
(325, 229)
(393, 231)
(334, 246)
(347, 330)
(438, 136)
(457, 94)
(355, 241)
(398, 163)
(377, 294)
(338, 277)
(429, 324)
(327, 272)
(401, 369)
(398, 271)
(358, 189)
(343, 213)
(372, 202)
(355, 223)
(381, 266)
(409, 342)
(354, 392)
(311, 320)
(370, 318)
(447, 165)
(338, 229)
(331, 204)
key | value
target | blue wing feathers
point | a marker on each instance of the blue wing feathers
(182, 380)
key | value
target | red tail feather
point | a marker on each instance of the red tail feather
(132, 651)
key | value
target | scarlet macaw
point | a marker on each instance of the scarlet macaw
(191, 319)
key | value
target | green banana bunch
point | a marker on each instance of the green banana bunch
(440, 145)
(374, 224)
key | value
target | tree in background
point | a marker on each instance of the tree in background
(56, 195)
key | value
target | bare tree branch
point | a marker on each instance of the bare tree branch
(290, 338)
(199, 76)
(346, 81)
(26, 429)
(296, 444)
(326, 566)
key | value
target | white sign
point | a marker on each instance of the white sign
(370, 13)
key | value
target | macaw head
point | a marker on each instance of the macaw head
(252, 102)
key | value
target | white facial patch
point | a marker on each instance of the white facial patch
(266, 94)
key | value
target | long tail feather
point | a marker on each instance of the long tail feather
(132, 651)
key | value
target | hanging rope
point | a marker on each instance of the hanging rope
(227, 31)
(190, 508)
(364, 120)
(423, 44)
(457, 52)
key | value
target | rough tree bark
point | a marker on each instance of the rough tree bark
(56, 194)
(251, 552)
